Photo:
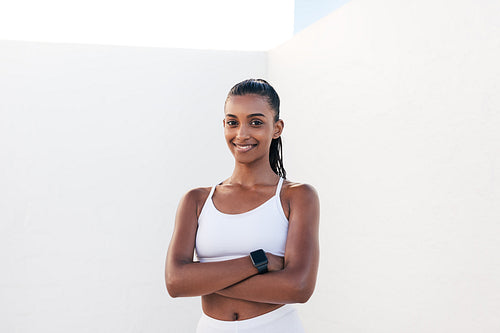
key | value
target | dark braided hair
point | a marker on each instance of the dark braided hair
(263, 88)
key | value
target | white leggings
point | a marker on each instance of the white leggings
(284, 319)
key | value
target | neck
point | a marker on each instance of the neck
(250, 175)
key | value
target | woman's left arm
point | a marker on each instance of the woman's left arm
(296, 281)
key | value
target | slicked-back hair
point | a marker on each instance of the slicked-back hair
(263, 88)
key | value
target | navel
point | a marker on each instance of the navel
(236, 316)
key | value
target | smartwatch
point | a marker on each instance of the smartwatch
(259, 260)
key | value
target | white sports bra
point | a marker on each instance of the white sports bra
(222, 236)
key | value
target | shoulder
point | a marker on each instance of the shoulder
(195, 199)
(197, 194)
(299, 198)
(299, 192)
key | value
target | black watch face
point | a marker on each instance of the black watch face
(259, 257)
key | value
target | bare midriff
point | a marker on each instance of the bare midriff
(230, 309)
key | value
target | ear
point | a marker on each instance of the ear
(224, 122)
(278, 128)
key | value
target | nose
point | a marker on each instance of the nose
(243, 132)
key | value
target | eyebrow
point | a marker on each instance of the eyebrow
(249, 116)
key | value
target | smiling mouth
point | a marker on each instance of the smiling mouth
(243, 148)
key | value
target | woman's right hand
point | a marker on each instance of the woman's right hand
(274, 262)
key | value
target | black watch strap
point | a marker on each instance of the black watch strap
(259, 260)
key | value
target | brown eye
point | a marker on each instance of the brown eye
(256, 122)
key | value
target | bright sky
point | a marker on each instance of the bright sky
(202, 24)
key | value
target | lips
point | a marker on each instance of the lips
(243, 148)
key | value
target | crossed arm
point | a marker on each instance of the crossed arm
(291, 280)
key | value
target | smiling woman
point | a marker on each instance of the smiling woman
(251, 125)
(255, 234)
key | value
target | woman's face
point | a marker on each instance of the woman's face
(249, 127)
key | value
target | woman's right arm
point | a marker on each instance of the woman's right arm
(183, 276)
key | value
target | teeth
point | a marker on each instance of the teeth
(244, 147)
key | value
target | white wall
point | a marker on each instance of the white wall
(97, 145)
(392, 111)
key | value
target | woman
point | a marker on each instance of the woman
(255, 234)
